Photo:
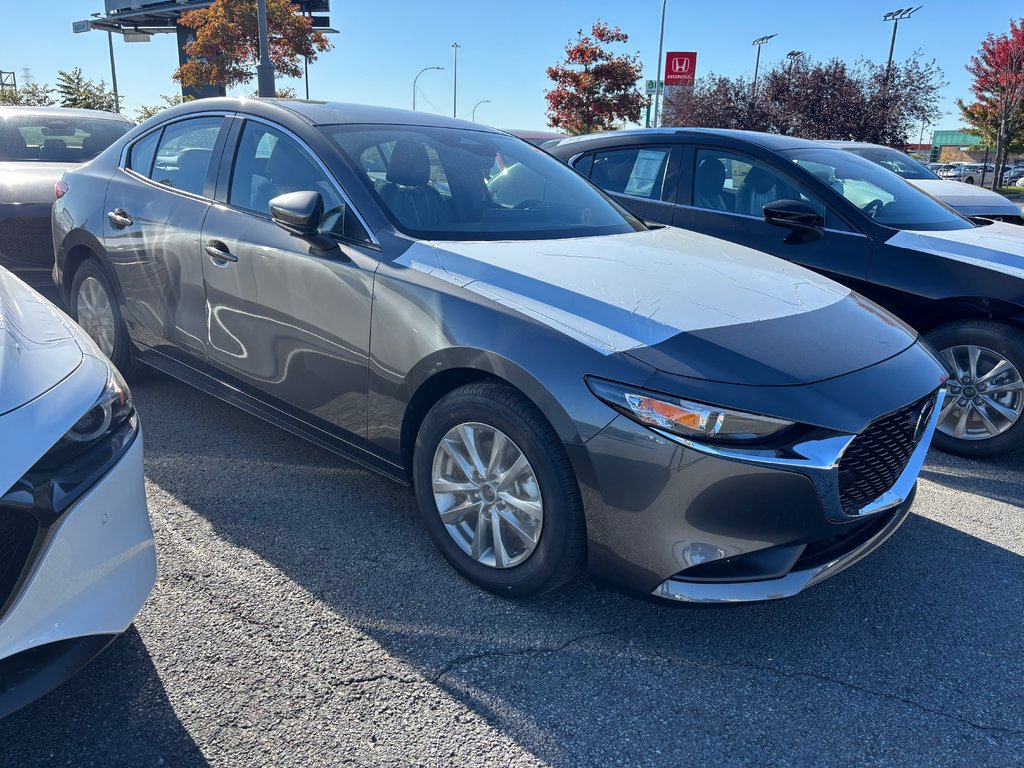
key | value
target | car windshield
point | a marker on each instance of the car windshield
(880, 195)
(49, 138)
(895, 161)
(457, 184)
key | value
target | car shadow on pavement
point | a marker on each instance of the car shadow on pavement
(999, 479)
(113, 712)
(912, 656)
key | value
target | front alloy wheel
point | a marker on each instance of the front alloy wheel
(982, 413)
(487, 495)
(497, 491)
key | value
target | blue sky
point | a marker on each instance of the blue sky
(506, 46)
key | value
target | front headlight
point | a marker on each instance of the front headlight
(697, 421)
(112, 408)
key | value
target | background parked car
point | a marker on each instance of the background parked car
(846, 217)
(968, 173)
(37, 145)
(76, 547)
(561, 384)
(973, 202)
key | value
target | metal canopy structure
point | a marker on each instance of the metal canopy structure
(136, 20)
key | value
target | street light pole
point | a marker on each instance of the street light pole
(485, 101)
(757, 62)
(113, 71)
(425, 69)
(896, 17)
(455, 80)
(658, 66)
(265, 69)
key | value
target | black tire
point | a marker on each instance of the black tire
(121, 355)
(969, 180)
(560, 550)
(1006, 340)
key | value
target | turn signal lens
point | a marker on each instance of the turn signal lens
(687, 418)
(61, 188)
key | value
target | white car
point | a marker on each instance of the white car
(77, 559)
(968, 200)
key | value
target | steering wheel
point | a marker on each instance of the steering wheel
(528, 203)
(872, 209)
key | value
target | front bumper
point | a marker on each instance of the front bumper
(684, 521)
(83, 589)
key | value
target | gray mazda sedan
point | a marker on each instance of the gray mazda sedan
(565, 386)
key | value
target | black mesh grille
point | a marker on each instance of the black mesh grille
(878, 455)
(18, 531)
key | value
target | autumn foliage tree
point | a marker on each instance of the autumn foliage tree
(226, 49)
(997, 112)
(594, 87)
(817, 100)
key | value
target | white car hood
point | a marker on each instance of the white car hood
(685, 303)
(998, 246)
(37, 348)
(967, 199)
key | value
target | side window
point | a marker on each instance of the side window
(140, 159)
(184, 154)
(723, 181)
(639, 171)
(269, 163)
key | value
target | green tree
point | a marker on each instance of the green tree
(76, 90)
(146, 112)
(30, 95)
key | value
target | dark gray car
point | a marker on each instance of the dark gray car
(563, 385)
(37, 146)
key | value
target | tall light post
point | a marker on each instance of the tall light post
(265, 69)
(659, 65)
(425, 69)
(900, 14)
(485, 101)
(113, 69)
(455, 80)
(757, 62)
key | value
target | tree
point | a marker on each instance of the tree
(146, 112)
(226, 49)
(817, 100)
(594, 88)
(29, 95)
(997, 112)
(76, 90)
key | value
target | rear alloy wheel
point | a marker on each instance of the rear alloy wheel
(95, 309)
(497, 492)
(983, 414)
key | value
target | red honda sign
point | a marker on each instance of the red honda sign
(680, 68)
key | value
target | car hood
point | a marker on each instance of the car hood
(684, 303)
(967, 198)
(23, 183)
(998, 246)
(37, 347)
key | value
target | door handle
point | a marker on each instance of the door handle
(119, 218)
(219, 252)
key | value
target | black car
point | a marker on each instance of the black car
(37, 145)
(453, 307)
(960, 283)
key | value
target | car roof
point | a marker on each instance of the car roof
(330, 112)
(770, 141)
(96, 114)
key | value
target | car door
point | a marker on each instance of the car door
(154, 210)
(642, 178)
(286, 320)
(723, 191)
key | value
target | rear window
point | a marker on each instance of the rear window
(57, 139)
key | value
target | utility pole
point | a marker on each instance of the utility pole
(455, 80)
(425, 69)
(265, 69)
(757, 62)
(658, 65)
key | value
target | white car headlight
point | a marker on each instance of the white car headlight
(697, 421)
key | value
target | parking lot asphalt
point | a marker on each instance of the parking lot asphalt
(303, 617)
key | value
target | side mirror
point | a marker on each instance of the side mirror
(793, 214)
(300, 214)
